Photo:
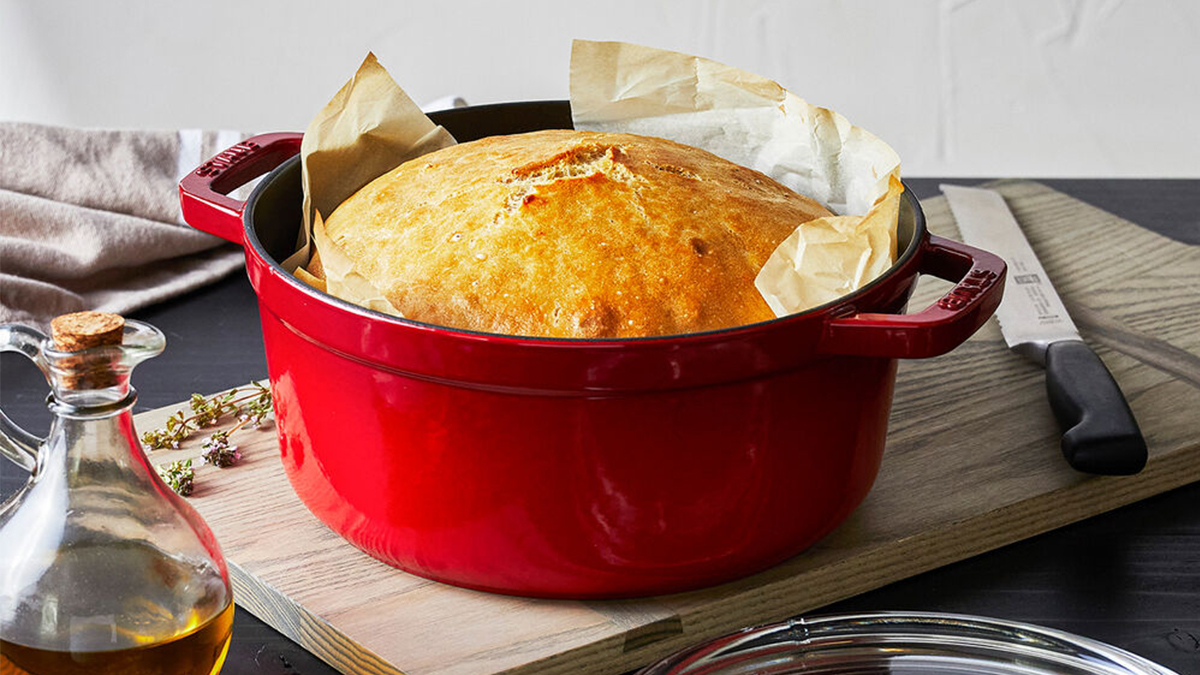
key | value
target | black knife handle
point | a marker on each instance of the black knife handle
(1100, 434)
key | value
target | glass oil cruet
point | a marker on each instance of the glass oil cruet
(103, 569)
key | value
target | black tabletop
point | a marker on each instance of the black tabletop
(1130, 577)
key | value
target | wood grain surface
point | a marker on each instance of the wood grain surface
(972, 464)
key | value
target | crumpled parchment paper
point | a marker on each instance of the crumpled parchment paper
(371, 126)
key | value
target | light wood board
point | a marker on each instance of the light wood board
(972, 464)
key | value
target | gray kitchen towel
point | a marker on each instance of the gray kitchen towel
(90, 220)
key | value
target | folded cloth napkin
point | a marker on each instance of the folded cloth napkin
(90, 220)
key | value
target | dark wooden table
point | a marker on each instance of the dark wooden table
(1130, 577)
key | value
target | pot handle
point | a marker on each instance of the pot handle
(204, 193)
(943, 325)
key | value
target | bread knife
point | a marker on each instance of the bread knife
(1100, 434)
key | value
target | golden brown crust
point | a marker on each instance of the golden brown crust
(314, 265)
(311, 279)
(570, 234)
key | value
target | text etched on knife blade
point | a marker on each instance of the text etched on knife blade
(1046, 315)
(1025, 277)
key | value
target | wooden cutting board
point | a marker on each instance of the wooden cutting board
(972, 464)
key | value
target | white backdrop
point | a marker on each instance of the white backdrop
(958, 87)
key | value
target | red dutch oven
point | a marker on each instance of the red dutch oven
(577, 468)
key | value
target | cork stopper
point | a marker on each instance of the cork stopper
(84, 330)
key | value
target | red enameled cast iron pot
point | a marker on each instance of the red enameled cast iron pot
(577, 468)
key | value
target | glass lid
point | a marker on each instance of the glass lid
(889, 643)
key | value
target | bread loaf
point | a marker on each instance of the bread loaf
(570, 234)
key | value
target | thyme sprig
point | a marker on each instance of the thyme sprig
(250, 405)
(179, 475)
(249, 408)
(218, 451)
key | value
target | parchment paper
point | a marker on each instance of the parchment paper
(368, 128)
(753, 121)
(372, 126)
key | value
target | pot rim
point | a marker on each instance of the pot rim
(252, 243)
(871, 322)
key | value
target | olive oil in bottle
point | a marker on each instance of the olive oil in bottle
(200, 651)
(103, 569)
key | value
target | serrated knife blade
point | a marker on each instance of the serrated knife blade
(1100, 433)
